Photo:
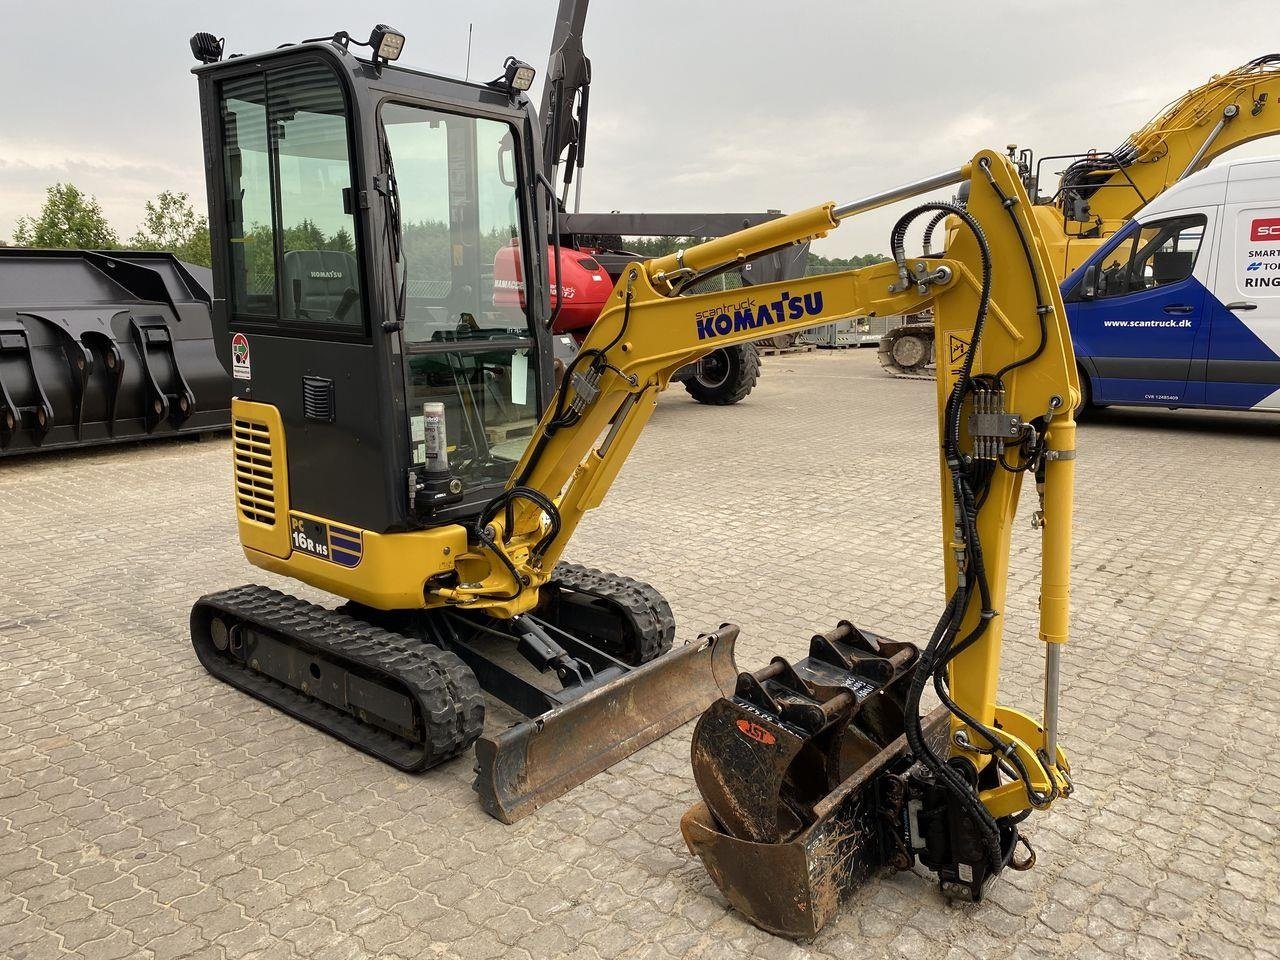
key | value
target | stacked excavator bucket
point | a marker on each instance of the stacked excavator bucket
(104, 347)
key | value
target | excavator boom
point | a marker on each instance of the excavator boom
(1099, 191)
(1226, 112)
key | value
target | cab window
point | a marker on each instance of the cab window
(460, 220)
(1156, 255)
(251, 224)
(467, 335)
(290, 220)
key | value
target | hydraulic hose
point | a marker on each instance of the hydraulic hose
(933, 657)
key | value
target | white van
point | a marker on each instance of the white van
(1181, 308)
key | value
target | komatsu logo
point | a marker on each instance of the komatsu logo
(326, 274)
(748, 315)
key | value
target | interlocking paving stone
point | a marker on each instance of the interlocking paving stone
(147, 810)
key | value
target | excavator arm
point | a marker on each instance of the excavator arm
(651, 329)
(1105, 190)
(1004, 406)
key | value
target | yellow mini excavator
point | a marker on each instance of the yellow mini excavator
(403, 439)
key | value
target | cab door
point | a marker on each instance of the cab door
(1141, 324)
(288, 239)
(1243, 369)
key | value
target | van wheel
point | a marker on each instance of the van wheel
(1086, 396)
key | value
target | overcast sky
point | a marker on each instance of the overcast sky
(697, 105)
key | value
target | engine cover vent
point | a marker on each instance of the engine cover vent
(317, 399)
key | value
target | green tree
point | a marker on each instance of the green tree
(819, 264)
(342, 241)
(171, 223)
(69, 218)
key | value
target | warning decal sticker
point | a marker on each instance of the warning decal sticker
(956, 349)
(240, 368)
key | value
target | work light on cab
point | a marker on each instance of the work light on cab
(387, 43)
(517, 75)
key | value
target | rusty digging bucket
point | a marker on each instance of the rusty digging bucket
(802, 774)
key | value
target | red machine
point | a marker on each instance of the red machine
(581, 296)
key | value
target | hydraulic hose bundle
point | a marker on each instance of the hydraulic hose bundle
(970, 479)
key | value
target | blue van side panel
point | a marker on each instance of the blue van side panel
(1242, 370)
(1142, 345)
(1228, 364)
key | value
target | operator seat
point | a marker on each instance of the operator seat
(321, 285)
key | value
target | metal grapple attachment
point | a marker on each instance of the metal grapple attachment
(802, 773)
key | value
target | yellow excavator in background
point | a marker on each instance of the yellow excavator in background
(1099, 192)
(402, 440)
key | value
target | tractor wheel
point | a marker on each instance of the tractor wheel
(725, 376)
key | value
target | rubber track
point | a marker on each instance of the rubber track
(445, 690)
(643, 604)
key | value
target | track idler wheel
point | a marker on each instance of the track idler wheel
(908, 351)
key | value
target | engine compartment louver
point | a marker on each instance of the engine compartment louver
(254, 471)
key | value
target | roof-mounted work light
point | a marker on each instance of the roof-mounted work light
(387, 43)
(517, 76)
(206, 48)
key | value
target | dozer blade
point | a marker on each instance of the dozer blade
(535, 761)
(794, 887)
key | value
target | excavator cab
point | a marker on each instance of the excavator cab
(357, 209)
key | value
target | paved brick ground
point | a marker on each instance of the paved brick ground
(147, 810)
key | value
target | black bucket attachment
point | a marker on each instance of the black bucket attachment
(800, 774)
(103, 347)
